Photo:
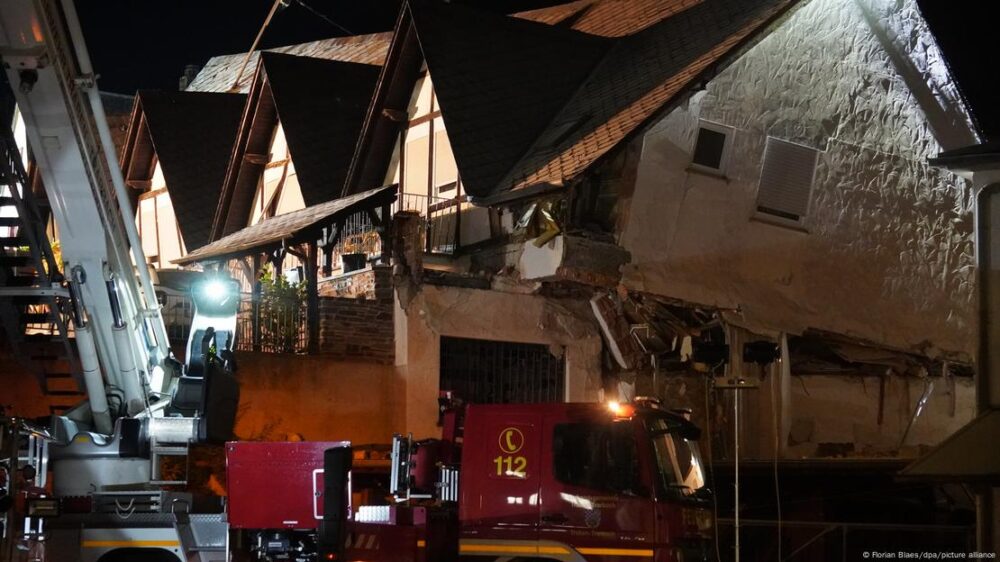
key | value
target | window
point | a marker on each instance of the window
(786, 180)
(445, 170)
(495, 372)
(415, 164)
(711, 148)
(598, 456)
(678, 459)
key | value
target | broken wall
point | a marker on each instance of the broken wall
(867, 418)
(886, 251)
(437, 311)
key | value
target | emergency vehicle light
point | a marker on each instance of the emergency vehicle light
(620, 410)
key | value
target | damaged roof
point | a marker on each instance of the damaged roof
(564, 85)
(191, 134)
(321, 106)
(220, 72)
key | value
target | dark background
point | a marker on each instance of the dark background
(146, 44)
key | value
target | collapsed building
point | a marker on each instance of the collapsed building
(720, 203)
(615, 206)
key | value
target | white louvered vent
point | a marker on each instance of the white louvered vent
(786, 180)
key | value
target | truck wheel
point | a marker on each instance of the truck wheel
(139, 555)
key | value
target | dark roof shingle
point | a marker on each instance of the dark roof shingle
(551, 101)
(499, 81)
(273, 231)
(637, 78)
(321, 105)
(219, 73)
(609, 18)
(192, 134)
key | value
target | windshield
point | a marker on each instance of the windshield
(678, 459)
(597, 455)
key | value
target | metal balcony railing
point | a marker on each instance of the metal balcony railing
(280, 327)
(441, 220)
(360, 241)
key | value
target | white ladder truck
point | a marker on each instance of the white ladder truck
(89, 487)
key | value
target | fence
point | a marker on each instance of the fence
(281, 326)
(441, 220)
(177, 311)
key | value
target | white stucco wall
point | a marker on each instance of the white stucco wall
(887, 254)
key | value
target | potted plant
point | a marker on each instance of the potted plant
(354, 256)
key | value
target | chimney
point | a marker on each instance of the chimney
(190, 71)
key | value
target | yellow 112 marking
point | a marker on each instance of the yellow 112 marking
(511, 466)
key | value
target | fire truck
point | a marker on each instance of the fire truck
(89, 486)
(567, 481)
(503, 482)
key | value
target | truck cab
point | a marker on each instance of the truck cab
(512, 482)
(591, 481)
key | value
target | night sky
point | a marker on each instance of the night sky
(147, 44)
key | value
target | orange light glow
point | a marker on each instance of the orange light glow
(620, 410)
(36, 30)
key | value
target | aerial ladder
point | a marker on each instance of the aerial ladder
(106, 499)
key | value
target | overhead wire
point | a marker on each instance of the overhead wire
(324, 17)
(235, 87)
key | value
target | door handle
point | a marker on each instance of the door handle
(555, 518)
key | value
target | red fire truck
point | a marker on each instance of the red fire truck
(581, 481)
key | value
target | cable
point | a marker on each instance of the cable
(711, 466)
(324, 17)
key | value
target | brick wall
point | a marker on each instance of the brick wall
(360, 328)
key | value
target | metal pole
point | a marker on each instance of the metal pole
(736, 467)
(152, 305)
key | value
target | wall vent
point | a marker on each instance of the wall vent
(786, 180)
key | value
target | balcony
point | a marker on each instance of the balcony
(360, 242)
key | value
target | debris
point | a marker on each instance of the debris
(621, 344)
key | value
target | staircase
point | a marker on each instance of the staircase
(33, 305)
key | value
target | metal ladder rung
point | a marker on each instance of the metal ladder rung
(169, 451)
(168, 482)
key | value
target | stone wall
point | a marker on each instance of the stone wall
(359, 327)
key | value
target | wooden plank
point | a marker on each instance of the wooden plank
(259, 159)
(312, 296)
